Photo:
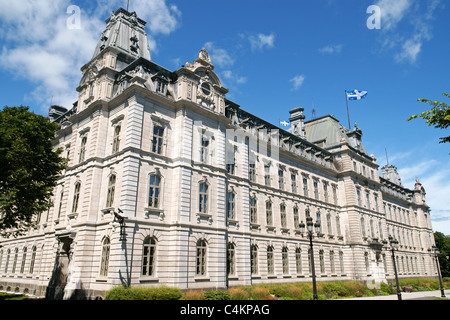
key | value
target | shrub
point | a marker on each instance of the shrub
(141, 293)
(194, 295)
(217, 295)
(238, 294)
(258, 292)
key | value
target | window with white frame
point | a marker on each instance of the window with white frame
(116, 139)
(283, 217)
(83, 149)
(293, 182)
(254, 259)
(154, 191)
(76, 197)
(204, 147)
(111, 191)
(203, 197)
(252, 172)
(158, 139)
(149, 256)
(231, 259)
(285, 260)
(231, 205)
(104, 263)
(253, 209)
(269, 217)
(201, 257)
(298, 260)
(296, 218)
(270, 262)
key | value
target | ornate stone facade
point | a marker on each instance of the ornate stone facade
(170, 183)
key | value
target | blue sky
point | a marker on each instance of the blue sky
(272, 56)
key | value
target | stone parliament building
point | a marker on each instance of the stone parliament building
(170, 183)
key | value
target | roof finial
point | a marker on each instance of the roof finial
(128, 4)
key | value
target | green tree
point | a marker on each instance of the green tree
(438, 116)
(29, 168)
(443, 244)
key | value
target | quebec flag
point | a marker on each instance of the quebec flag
(356, 95)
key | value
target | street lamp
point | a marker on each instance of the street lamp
(310, 226)
(394, 247)
(436, 253)
(119, 221)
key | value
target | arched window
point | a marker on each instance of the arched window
(201, 257)
(106, 247)
(76, 197)
(111, 191)
(231, 259)
(149, 255)
(270, 262)
(154, 191)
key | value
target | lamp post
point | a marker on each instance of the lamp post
(436, 253)
(394, 247)
(310, 226)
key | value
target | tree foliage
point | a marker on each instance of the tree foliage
(443, 244)
(438, 116)
(29, 168)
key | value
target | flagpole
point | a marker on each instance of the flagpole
(348, 114)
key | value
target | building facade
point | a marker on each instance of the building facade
(170, 183)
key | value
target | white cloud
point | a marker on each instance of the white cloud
(261, 41)
(40, 48)
(331, 49)
(406, 27)
(393, 11)
(297, 81)
(219, 56)
(231, 76)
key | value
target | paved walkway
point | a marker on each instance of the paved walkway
(422, 295)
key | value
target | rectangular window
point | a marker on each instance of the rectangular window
(267, 174)
(154, 192)
(158, 138)
(305, 187)
(204, 149)
(281, 179)
(269, 218)
(316, 189)
(83, 149)
(76, 197)
(293, 183)
(253, 211)
(283, 215)
(111, 191)
(203, 198)
(230, 206)
(116, 139)
(252, 172)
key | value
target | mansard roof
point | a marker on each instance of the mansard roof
(124, 32)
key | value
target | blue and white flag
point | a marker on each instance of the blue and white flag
(356, 95)
(285, 123)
